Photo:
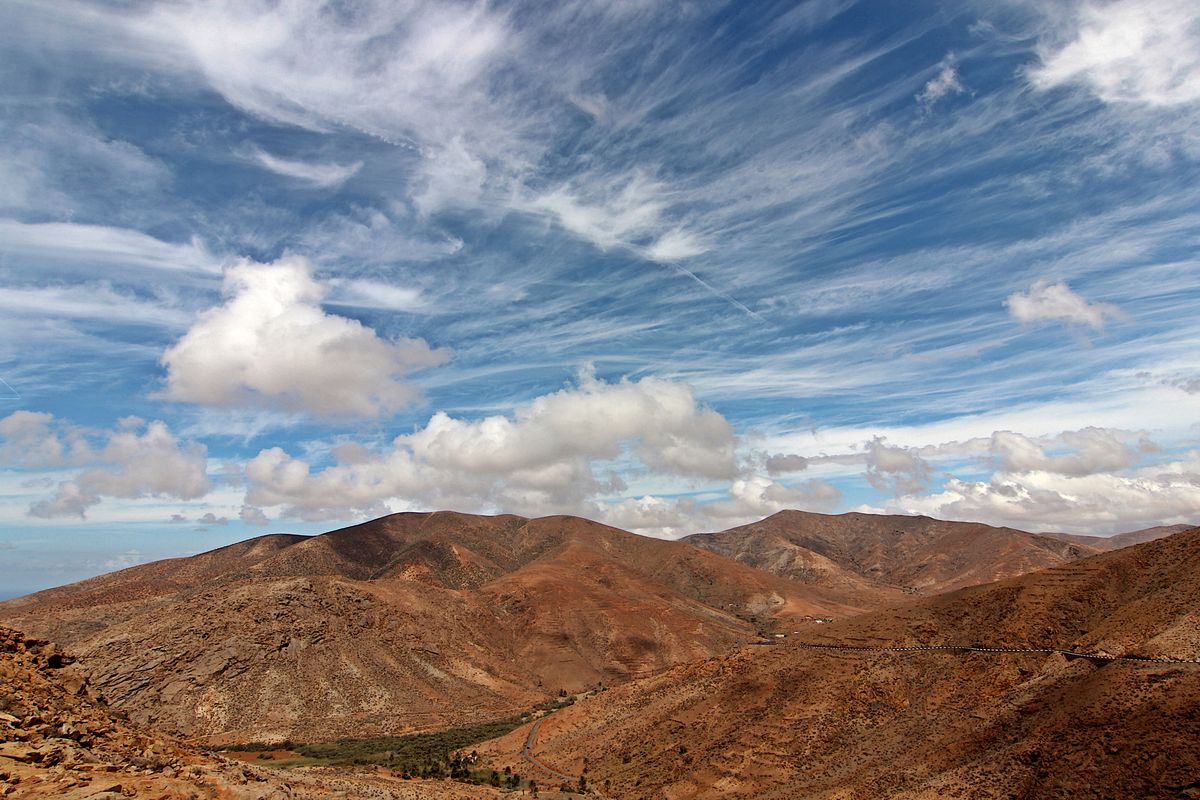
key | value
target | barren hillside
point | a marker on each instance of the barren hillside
(59, 742)
(407, 622)
(788, 721)
(919, 554)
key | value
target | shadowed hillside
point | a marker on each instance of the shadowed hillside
(919, 554)
(58, 741)
(789, 721)
(1127, 539)
(407, 622)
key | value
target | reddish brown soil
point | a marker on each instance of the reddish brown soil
(1128, 539)
(58, 742)
(917, 554)
(789, 722)
(410, 622)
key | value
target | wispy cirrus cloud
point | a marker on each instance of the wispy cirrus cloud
(1130, 51)
(92, 245)
(318, 174)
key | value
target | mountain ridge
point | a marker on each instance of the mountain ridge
(409, 621)
(917, 554)
(789, 721)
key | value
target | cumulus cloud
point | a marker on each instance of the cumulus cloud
(324, 176)
(1088, 451)
(270, 344)
(781, 463)
(1130, 51)
(138, 459)
(1058, 303)
(1087, 480)
(756, 496)
(540, 459)
(945, 83)
(34, 439)
(1189, 385)
(253, 516)
(1040, 500)
(70, 500)
(749, 498)
(899, 469)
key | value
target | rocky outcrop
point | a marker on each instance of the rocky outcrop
(60, 741)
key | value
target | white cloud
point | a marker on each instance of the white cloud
(749, 499)
(324, 176)
(618, 213)
(676, 245)
(1058, 303)
(270, 344)
(69, 500)
(1130, 51)
(129, 558)
(101, 245)
(652, 516)
(91, 301)
(59, 166)
(393, 70)
(452, 177)
(1097, 503)
(624, 211)
(138, 459)
(253, 516)
(899, 469)
(369, 236)
(365, 293)
(780, 463)
(945, 83)
(1090, 451)
(756, 497)
(31, 439)
(542, 458)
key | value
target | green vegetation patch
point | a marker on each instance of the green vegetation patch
(418, 754)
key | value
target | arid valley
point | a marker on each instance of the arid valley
(806, 655)
(613, 399)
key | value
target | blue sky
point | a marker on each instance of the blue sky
(284, 266)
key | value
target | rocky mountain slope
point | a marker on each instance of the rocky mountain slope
(790, 721)
(918, 554)
(408, 622)
(58, 741)
(1116, 542)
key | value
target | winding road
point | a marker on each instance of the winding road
(969, 648)
(527, 753)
